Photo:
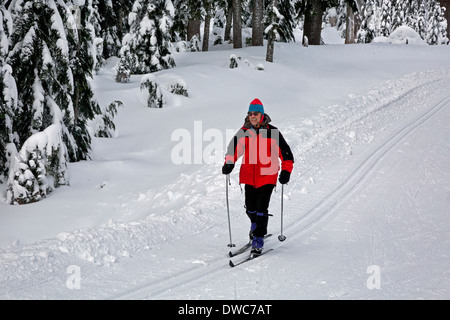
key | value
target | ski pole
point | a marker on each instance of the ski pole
(227, 181)
(282, 237)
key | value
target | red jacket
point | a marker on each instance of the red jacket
(262, 149)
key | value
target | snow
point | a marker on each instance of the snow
(170, 8)
(58, 26)
(405, 34)
(402, 35)
(331, 36)
(366, 213)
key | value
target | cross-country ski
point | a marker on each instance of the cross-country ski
(252, 256)
(245, 247)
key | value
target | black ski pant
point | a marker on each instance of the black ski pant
(257, 204)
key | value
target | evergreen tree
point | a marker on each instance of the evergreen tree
(114, 25)
(286, 21)
(8, 91)
(180, 20)
(93, 24)
(38, 167)
(341, 23)
(425, 16)
(386, 18)
(53, 62)
(444, 36)
(399, 13)
(45, 114)
(412, 14)
(436, 25)
(40, 60)
(103, 125)
(110, 26)
(432, 26)
(422, 21)
(146, 47)
(247, 13)
(219, 21)
(84, 57)
(371, 22)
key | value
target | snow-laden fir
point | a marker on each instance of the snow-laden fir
(366, 213)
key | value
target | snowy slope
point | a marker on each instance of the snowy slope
(367, 206)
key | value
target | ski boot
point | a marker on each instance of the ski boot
(257, 246)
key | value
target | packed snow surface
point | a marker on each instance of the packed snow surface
(366, 213)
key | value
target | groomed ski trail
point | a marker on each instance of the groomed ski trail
(424, 101)
(378, 127)
(327, 205)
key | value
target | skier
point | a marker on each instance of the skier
(261, 146)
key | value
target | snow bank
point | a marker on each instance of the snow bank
(402, 35)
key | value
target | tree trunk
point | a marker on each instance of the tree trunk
(350, 33)
(76, 103)
(193, 29)
(270, 47)
(205, 43)
(353, 21)
(195, 20)
(446, 4)
(237, 24)
(313, 22)
(307, 24)
(229, 21)
(257, 23)
(271, 36)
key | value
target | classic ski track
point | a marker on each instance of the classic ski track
(328, 204)
(313, 217)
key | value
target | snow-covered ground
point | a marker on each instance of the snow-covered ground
(366, 213)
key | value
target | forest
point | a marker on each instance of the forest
(51, 49)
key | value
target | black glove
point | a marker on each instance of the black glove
(227, 168)
(284, 177)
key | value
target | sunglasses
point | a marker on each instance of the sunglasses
(254, 113)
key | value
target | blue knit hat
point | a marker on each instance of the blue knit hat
(256, 105)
